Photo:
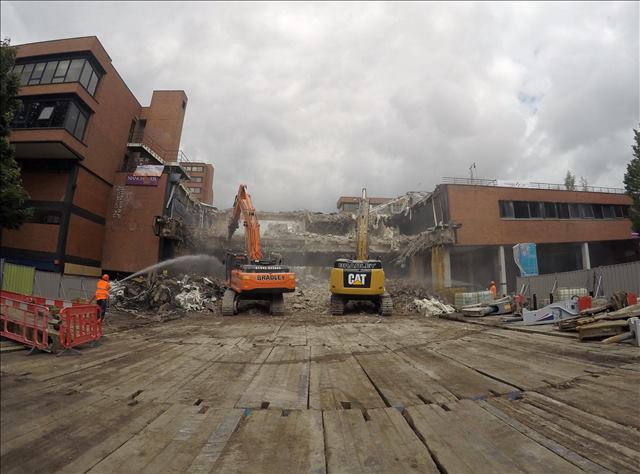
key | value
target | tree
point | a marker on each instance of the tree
(632, 182)
(584, 184)
(570, 181)
(13, 197)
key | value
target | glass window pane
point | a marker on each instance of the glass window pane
(618, 211)
(48, 72)
(82, 121)
(72, 117)
(521, 209)
(586, 211)
(607, 211)
(597, 211)
(46, 113)
(75, 68)
(574, 211)
(550, 211)
(37, 73)
(17, 69)
(563, 210)
(61, 71)
(535, 209)
(59, 113)
(625, 211)
(93, 82)
(86, 74)
(26, 73)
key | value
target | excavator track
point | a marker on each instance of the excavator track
(229, 307)
(277, 305)
(386, 305)
(337, 305)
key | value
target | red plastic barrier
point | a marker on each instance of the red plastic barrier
(632, 298)
(79, 324)
(23, 322)
(584, 302)
(39, 300)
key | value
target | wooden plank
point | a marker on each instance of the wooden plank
(401, 384)
(590, 442)
(460, 380)
(338, 382)
(269, 441)
(281, 382)
(469, 439)
(382, 442)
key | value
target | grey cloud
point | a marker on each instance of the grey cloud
(305, 102)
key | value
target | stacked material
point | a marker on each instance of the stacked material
(616, 321)
(472, 298)
(562, 294)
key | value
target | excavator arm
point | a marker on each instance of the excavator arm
(242, 206)
(362, 228)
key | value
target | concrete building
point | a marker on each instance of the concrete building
(79, 136)
(476, 223)
(201, 182)
(351, 203)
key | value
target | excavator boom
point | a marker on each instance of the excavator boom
(242, 206)
(362, 228)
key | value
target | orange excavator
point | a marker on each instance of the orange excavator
(250, 275)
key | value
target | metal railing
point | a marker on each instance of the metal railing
(168, 156)
(532, 185)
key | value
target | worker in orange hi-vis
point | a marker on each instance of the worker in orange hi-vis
(492, 289)
(102, 294)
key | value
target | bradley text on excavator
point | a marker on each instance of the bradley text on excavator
(250, 275)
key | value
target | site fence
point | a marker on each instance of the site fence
(606, 280)
(29, 281)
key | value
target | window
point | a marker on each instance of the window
(618, 212)
(63, 113)
(44, 216)
(574, 211)
(597, 211)
(197, 169)
(550, 211)
(563, 210)
(197, 179)
(625, 211)
(521, 209)
(506, 209)
(586, 211)
(607, 211)
(58, 71)
(195, 190)
(536, 210)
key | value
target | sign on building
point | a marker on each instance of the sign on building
(526, 257)
(133, 180)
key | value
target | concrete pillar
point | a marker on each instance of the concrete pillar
(502, 267)
(586, 260)
(441, 267)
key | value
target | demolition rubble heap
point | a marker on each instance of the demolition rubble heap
(164, 297)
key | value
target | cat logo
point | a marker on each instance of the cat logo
(357, 279)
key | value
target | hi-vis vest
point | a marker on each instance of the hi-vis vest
(102, 290)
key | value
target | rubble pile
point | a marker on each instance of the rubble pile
(163, 294)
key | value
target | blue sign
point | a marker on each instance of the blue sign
(526, 258)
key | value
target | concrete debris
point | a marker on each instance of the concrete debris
(414, 244)
(162, 293)
(432, 307)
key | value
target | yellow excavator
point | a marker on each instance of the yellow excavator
(360, 278)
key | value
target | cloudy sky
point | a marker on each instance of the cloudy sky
(305, 102)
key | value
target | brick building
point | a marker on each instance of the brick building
(476, 224)
(78, 135)
(201, 182)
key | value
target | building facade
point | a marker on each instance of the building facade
(201, 180)
(78, 132)
(479, 223)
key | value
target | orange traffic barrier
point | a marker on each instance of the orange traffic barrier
(79, 324)
(26, 323)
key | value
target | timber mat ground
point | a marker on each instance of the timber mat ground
(316, 393)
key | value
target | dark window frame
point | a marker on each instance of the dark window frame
(28, 115)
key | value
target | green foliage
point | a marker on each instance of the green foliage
(632, 181)
(570, 181)
(13, 197)
(584, 183)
